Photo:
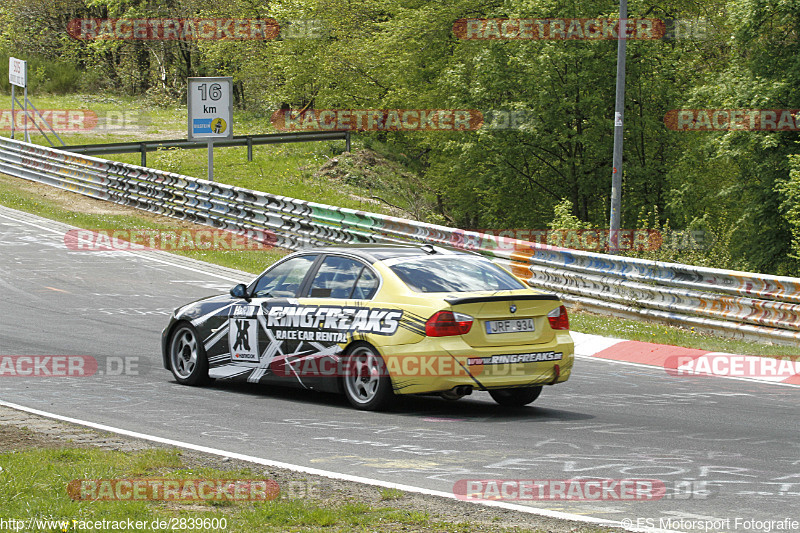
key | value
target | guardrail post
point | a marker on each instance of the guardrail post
(143, 150)
(347, 141)
(249, 148)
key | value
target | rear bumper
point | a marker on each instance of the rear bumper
(439, 364)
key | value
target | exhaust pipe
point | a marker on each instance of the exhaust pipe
(456, 393)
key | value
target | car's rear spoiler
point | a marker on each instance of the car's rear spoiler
(500, 298)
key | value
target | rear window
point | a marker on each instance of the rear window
(454, 274)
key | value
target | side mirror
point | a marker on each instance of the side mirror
(240, 291)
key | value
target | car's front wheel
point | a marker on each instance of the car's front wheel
(515, 397)
(366, 380)
(187, 357)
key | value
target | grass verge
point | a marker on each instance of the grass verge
(33, 486)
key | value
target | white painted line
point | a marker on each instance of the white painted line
(324, 473)
(586, 344)
(51, 230)
(126, 252)
(197, 270)
(617, 362)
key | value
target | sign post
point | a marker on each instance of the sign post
(18, 77)
(210, 109)
(619, 118)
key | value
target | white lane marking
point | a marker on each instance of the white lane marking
(51, 230)
(197, 270)
(586, 344)
(324, 473)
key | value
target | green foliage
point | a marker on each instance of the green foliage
(391, 494)
(789, 190)
(702, 243)
(45, 75)
(564, 219)
(729, 179)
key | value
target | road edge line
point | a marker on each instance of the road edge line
(326, 473)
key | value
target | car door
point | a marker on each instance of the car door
(250, 348)
(315, 329)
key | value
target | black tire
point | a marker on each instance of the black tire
(187, 357)
(516, 397)
(366, 382)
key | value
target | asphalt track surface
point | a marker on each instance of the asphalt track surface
(725, 449)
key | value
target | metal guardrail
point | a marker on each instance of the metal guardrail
(741, 304)
(142, 147)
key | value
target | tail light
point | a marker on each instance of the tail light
(448, 323)
(558, 318)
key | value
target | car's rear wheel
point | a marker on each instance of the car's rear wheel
(187, 357)
(366, 380)
(516, 397)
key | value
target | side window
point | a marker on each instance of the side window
(284, 280)
(336, 278)
(366, 285)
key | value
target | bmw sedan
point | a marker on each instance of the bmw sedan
(374, 322)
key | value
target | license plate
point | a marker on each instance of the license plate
(509, 326)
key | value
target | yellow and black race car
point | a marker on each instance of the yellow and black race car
(374, 321)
